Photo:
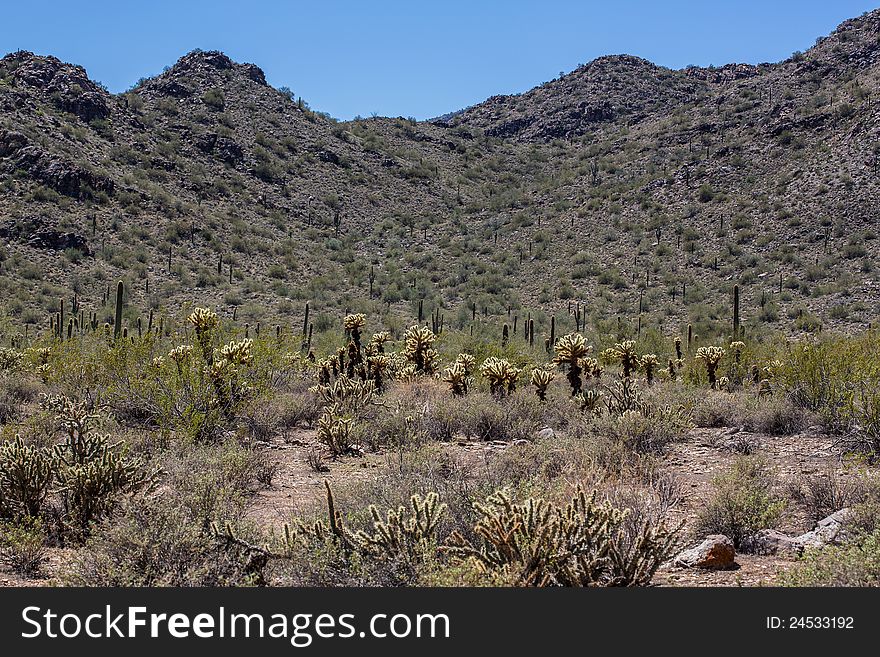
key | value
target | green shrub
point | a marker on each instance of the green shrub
(743, 502)
(22, 546)
(159, 542)
(856, 563)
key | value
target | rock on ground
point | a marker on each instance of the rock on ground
(716, 552)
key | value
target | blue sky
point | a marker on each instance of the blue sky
(412, 58)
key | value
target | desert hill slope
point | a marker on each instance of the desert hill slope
(629, 188)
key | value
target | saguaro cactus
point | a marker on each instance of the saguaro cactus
(117, 321)
(736, 312)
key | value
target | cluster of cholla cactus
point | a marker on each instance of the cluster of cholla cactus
(459, 375)
(711, 357)
(501, 374)
(571, 350)
(82, 475)
(418, 349)
(405, 536)
(541, 379)
(584, 543)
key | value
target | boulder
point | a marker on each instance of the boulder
(545, 434)
(716, 552)
(771, 542)
(829, 530)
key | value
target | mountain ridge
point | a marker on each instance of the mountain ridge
(619, 185)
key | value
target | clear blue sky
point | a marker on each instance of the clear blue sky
(412, 58)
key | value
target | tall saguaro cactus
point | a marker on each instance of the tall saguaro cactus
(117, 322)
(736, 312)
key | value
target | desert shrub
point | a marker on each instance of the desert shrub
(773, 415)
(856, 563)
(213, 481)
(743, 502)
(649, 434)
(719, 409)
(22, 546)
(297, 409)
(15, 391)
(515, 417)
(823, 494)
(863, 498)
(537, 543)
(158, 542)
(776, 416)
(838, 379)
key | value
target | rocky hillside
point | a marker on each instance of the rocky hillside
(641, 193)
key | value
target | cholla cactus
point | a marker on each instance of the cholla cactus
(608, 356)
(458, 375)
(591, 368)
(468, 362)
(10, 359)
(334, 430)
(772, 369)
(180, 356)
(418, 349)
(377, 367)
(502, 375)
(711, 356)
(765, 376)
(677, 343)
(205, 322)
(570, 350)
(625, 354)
(404, 536)
(236, 353)
(353, 325)
(541, 378)
(724, 384)
(26, 473)
(377, 343)
(737, 348)
(589, 401)
(649, 363)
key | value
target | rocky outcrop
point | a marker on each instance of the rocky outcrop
(58, 241)
(68, 86)
(723, 74)
(64, 177)
(828, 531)
(37, 234)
